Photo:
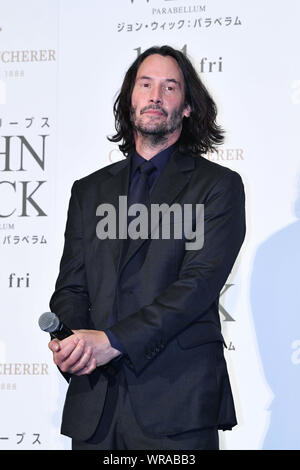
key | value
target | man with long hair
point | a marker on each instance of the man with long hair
(145, 364)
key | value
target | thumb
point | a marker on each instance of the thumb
(54, 345)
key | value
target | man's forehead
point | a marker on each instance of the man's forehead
(163, 66)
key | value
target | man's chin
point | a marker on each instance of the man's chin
(152, 130)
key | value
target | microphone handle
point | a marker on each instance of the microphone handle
(62, 332)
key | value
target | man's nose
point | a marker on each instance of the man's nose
(156, 95)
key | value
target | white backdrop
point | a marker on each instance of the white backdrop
(61, 65)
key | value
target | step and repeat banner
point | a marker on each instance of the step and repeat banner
(62, 63)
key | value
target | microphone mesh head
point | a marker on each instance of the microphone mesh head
(48, 322)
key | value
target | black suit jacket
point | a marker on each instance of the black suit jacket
(167, 311)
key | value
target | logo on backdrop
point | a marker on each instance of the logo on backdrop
(226, 155)
(203, 65)
(23, 149)
(29, 55)
(11, 371)
(19, 154)
(9, 374)
(169, 9)
(19, 281)
(23, 368)
(23, 157)
(22, 437)
(21, 198)
(176, 18)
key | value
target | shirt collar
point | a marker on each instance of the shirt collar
(159, 160)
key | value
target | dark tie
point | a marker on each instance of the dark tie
(138, 194)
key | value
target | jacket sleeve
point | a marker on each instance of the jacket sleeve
(70, 300)
(202, 275)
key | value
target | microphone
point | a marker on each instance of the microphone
(50, 323)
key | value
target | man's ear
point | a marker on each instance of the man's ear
(187, 111)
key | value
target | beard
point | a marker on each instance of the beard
(156, 132)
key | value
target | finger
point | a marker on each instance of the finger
(54, 345)
(70, 360)
(63, 345)
(89, 368)
(65, 350)
(70, 339)
(82, 362)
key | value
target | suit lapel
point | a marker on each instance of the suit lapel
(113, 187)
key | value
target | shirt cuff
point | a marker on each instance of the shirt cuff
(114, 342)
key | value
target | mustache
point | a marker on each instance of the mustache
(155, 107)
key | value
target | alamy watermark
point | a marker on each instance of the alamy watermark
(137, 221)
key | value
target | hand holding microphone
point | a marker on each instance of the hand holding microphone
(70, 353)
(76, 352)
(50, 323)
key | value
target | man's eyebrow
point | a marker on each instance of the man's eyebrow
(172, 80)
(143, 77)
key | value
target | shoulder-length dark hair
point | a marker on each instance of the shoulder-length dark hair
(200, 133)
